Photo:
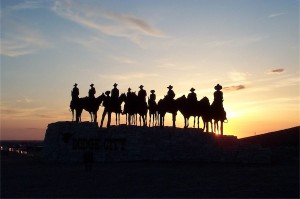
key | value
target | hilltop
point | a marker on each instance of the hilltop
(286, 137)
(284, 144)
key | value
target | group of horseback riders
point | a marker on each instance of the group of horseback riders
(112, 102)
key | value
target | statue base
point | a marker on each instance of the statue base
(85, 141)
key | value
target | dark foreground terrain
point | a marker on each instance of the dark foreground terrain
(24, 176)
(30, 177)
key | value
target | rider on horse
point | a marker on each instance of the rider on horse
(92, 91)
(115, 92)
(115, 96)
(151, 100)
(107, 109)
(75, 92)
(192, 98)
(170, 95)
(218, 98)
(152, 97)
(142, 94)
(75, 99)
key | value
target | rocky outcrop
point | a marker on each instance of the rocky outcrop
(70, 141)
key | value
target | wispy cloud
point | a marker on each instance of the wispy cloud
(27, 42)
(241, 41)
(276, 71)
(128, 76)
(234, 88)
(106, 22)
(284, 100)
(19, 38)
(25, 99)
(238, 76)
(125, 60)
(17, 112)
(276, 14)
(32, 4)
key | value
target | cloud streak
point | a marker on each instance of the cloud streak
(242, 41)
(276, 71)
(33, 4)
(106, 22)
(128, 76)
(19, 38)
(27, 43)
(276, 14)
(238, 76)
(234, 88)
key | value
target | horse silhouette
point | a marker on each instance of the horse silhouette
(116, 107)
(91, 105)
(153, 113)
(142, 110)
(135, 106)
(218, 114)
(167, 106)
(112, 107)
(130, 108)
(205, 113)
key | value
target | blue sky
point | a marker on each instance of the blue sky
(251, 47)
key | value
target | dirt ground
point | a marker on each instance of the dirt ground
(23, 176)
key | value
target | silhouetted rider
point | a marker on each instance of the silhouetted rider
(106, 100)
(170, 95)
(152, 97)
(107, 109)
(75, 92)
(92, 91)
(218, 94)
(128, 94)
(217, 105)
(115, 92)
(142, 93)
(192, 97)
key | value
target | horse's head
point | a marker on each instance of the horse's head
(181, 99)
(204, 100)
(100, 98)
(122, 97)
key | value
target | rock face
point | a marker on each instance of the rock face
(76, 142)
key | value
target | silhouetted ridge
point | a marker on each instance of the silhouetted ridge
(287, 137)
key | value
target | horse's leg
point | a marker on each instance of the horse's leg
(95, 117)
(194, 121)
(187, 122)
(174, 120)
(91, 116)
(102, 119)
(78, 115)
(221, 128)
(130, 119)
(160, 120)
(108, 120)
(72, 115)
(214, 124)
(144, 120)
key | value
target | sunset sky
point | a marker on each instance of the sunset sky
(250, 47)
